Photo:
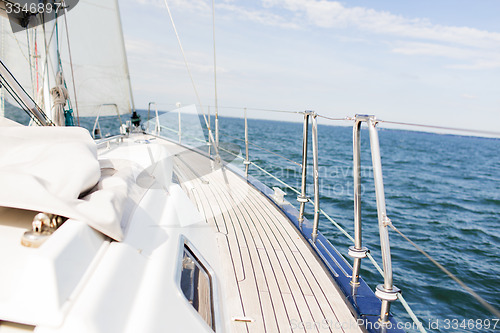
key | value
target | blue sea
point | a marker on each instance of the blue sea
(442, 191)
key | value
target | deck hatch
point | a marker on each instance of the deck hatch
(196, 285)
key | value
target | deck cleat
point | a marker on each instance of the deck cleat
(44, 225)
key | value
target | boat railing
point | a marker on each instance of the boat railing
(386, 291)
(96, 129)
(157, 130)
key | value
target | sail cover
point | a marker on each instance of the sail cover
(55, 170)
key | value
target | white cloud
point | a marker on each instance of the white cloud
(468, 96)
(480, 64)
(332, 14)
(476, 58)
(418, 48)
(421, 37)
(156, 55)
(259, 16)
(196, 5)
(478, 49)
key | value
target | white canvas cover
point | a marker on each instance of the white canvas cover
(46, 169)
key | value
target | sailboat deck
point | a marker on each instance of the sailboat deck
(273, 279)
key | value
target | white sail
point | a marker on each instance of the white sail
(98, 54)
(31, 57)
(98, 57)
(16, 56)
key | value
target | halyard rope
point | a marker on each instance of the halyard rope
(211, 138)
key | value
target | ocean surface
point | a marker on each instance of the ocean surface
(442, 191)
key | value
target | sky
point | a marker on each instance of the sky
(427, 62)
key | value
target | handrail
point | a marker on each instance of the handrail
(96, 122)
(357, 251)
(180, 127)
(386, 292)
(261, 148)
(246, 162)
(302, 198)
(157, 122)
(314, 234)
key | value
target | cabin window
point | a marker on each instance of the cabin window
(196, 285)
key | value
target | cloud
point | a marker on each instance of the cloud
(476, 58)
(238, 12)
(468, 96)
(259, 16)
(332, 14)
(194, 5)
(418, 48)
(478, 65)
(479, 49)
(156, 55)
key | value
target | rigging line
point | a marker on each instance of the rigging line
(265, 110)
(488, 306)
(2, 53)
(338, 226)
(20, 48)
(270, 175)
(253, 144)
(215, 68)
(51, 63)
(71, 62)
(45, 75)
(39, 110)
(18, 100)
(29, 61)
(336, 119)
(210, 136)
(36, 57)
(244, 107)
(440, 127)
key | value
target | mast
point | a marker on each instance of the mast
(50, 65)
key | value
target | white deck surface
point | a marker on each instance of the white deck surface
(266, 277)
